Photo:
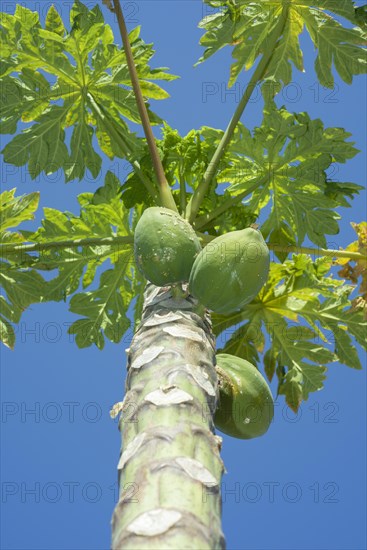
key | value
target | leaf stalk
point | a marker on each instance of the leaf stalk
(299, 249)
(165, 193)
(200, 192)
(12, 248)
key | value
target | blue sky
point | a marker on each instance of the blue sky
(299, 487)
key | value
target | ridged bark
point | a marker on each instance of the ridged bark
(170, 467)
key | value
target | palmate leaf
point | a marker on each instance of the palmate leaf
(20, 286)
(307, 317)
(73, 250)
(248, 26)
(76, 82)
(103, 218)
(284, 165)
(104, 310)
(15, 210)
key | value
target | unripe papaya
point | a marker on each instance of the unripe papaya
(165, 246)
(230, 271)
(246, 406)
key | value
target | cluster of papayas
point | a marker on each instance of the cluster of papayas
(224, 276)
(165, 246)
(230, 271)
(246, 406)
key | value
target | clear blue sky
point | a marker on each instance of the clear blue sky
(300, 487)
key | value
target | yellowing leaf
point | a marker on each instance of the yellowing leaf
(355, 270)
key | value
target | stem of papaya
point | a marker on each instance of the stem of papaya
(170, 467)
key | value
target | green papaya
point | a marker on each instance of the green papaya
(246, 406)
(165, 246)
(230, 271)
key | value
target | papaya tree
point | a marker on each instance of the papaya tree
(209, 233)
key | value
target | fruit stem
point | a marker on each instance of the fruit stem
(257, 76)
(165, 193)
(178, 293)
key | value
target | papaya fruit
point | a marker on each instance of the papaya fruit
(230, 271)
(165, 246)
(246, 406)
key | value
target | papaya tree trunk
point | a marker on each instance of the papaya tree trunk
(170, 467)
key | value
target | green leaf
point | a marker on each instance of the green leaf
(284, 165)
(104, 310)
(14, 210)
(245, 341)
(361, 16)
(309, 322)
(86, 87)
(270, 362)
(54, 22)
(292, 388)
(7, 334)
(72, 249)
(336, 45)
(23, 288)
(20, 286)
(83, 154)
(102, 216)
(41, 146)
(248, 26)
